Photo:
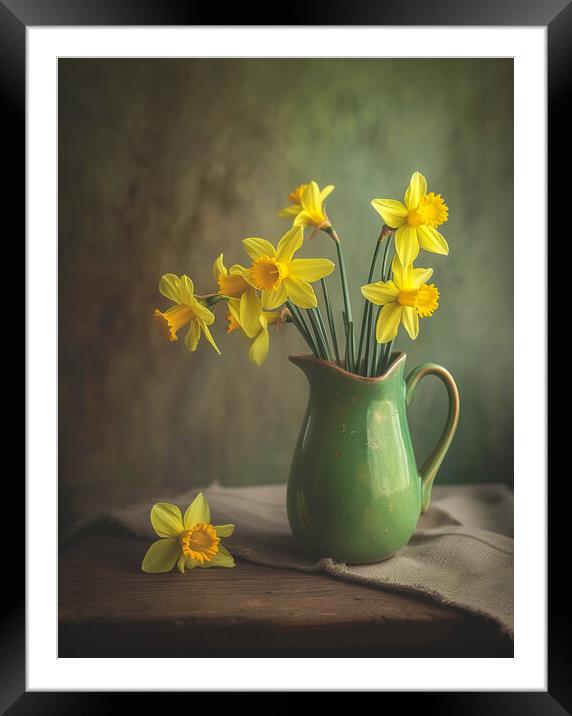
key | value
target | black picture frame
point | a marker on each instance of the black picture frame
(556, 15)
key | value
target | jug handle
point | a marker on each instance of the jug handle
(429, 469)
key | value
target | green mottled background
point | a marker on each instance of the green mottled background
(165, 163)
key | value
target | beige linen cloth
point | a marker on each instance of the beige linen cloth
(461, 553)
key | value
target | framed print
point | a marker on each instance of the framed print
(254, 174)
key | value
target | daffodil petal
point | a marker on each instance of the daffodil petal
(292, 210)
(181, 564)
(259, 349)
(273, 299)
(186, 290)
(310, 199)
(381, 292)
(169, 287)
(219, 269)
(209, 337)
(406, 244)
(197, 511)
(419, 276)
(388, 322)
(193, 335)
(300, 293)
(224, 530)
(166, 519)
(161, 556)
(410, 319)
(249, 312)
(431, 240)
(256, 248)
(289, 244)
(202, 312)
(303, 218)
(270, 316)
(310, 269)
(223, 558)
(415, 191)
(391, 211)
(325, 193)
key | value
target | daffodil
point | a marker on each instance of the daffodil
(232, 282)
(308, 205)
(281, 277)
(405, 299)
(416, 220)
(187, 309)
(260, 339)
(189, 541)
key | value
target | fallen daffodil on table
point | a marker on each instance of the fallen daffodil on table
(188, 541)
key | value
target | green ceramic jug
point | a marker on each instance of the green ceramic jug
(354, 492)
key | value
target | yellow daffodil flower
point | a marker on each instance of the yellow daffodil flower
(416, 220)
(187, 309)
(233, 283)
(308, 205)
(405, 299)
(260, 339)
(190, 541)
(279, 276)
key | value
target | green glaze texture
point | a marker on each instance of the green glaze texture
(355, 493)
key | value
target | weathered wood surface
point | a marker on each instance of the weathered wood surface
(108, 607)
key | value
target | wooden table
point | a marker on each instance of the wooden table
(109, 608)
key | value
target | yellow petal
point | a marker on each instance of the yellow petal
(270, 316)
(219, 269)
(273, 299)
(391, 211)
(311, 199)
(415, 191)
(410, 319)
(259, 349)
(431, 240)
(166, 519)
(186, 290)
(224, 530)
(223, 558)
(193, 335)
(209, 337)
(169, 287)
(161, 556)
(249, 312)
(310, 269)
(406, 244)
(408, 277)
(326, 191)
(388, 322)
(291, 210)
(289, 244)
(197, 511)
(419, 276)
(256, 248)
(303, 218)
(380, 292)
(202, 312)
(300, 293)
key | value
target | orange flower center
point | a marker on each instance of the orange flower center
(425, 299)
(267, 273)
(231, 285)
(169, 322)
(200, 542)
(432, 211)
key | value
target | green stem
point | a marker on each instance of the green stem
(319, 342)
(323, 333)
(297, 321)
(330, 316)
(347, 303)
(367, 304)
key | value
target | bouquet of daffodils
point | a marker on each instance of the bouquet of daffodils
(276, 288)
